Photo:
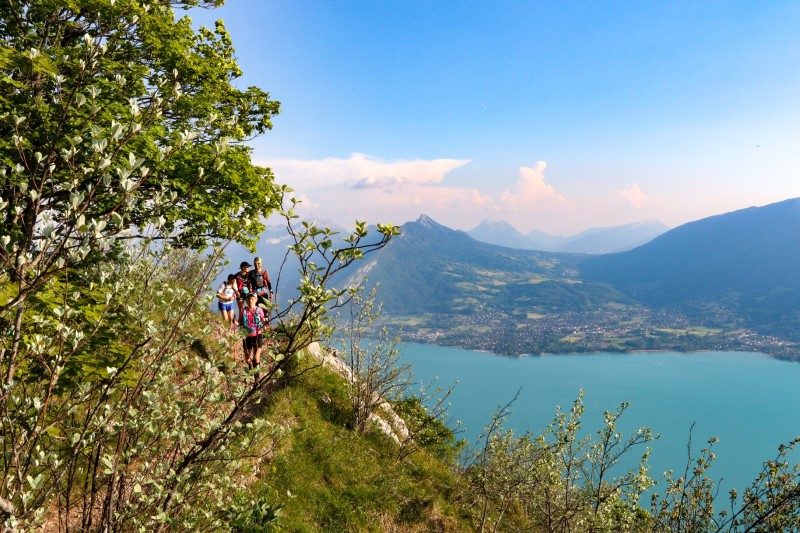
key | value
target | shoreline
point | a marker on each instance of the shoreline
(607, 352)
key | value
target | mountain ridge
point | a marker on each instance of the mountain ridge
(594, 240)
(436, 268)
(745, 260)
(717, 283)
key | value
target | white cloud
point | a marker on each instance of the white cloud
(438, 197)
(433, 198)
(634, 196)
(531, 190)
(362, 171)
(449, 205)
(370, 188)
(476, 198)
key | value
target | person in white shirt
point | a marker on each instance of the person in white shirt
(227, 295)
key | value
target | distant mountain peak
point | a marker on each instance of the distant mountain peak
(649, 221)
(427, 221)
(496, 225)
(325, 223)
(491, 222)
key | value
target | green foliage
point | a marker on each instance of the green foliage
(121, 149)
(254, 516)
(429, 431)
(322, 255)
(111, 416)
(558, 481)
(118, 116)
(688, 502)
(378, 376)
(770, 503)
(126, 398)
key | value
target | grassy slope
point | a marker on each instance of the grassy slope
(342, 481)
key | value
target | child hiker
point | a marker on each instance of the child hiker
(253, 322)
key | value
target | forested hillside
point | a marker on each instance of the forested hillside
(724, 282)
(430, 268)
(745, 261)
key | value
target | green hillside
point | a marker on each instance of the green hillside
(126, 164)
(733, 275)
(327, 477)
(433, 269)
(745, 261)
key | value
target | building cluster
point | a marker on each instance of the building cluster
(603, 330)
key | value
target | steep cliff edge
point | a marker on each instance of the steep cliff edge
(384, 419)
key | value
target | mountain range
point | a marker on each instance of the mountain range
(719, 274)
(746, 261)
(715, 283)
(599, 240)
(432, 268)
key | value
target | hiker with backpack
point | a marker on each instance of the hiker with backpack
(242, 284)
(260, 284)
(227, 295)
(254, 323)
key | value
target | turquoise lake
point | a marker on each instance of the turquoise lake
(751, 402)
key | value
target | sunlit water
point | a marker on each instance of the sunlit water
(751, 402)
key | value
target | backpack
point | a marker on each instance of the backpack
(253, 320)
(226, 290)
(241, 283)
(257, 279)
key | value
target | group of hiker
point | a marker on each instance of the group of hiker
(250, 290)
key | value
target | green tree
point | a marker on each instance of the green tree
(122, 155)
(116, 116)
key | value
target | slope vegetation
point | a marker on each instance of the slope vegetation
(746, 261)
(326, 477)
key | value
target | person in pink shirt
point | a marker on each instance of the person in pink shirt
(254, 323)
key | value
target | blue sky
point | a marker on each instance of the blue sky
(553, 116)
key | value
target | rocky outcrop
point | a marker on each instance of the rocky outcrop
(384, 418)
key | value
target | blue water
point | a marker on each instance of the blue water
(751, 402)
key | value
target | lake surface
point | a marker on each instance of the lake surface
(751, 402)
